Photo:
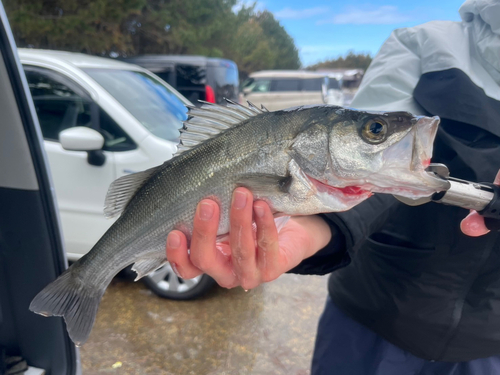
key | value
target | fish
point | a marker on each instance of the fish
(301, 161)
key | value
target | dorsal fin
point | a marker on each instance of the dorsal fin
(210, 119)
(122, 189)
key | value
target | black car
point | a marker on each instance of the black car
(31, 250)
(196, 77)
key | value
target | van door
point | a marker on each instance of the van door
(31, 249)
(285, 93)
(312, 90)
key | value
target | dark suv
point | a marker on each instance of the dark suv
(195, 77)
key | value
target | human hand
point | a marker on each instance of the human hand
(248, 258)
(473, 225)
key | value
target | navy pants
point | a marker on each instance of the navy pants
(345, 347)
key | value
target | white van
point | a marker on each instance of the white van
(280, 89)
(102, 119)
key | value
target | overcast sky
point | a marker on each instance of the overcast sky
(324, 29)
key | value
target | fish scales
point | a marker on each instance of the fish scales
(285, 157)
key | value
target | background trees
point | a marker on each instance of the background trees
(254, 40)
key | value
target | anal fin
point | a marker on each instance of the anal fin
(145, 266)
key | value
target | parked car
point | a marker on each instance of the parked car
(334, 95)
(196, 77)
(31, 250)
(280, 89)
(101, 119)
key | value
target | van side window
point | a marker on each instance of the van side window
(285, 85)
(261, 86)
(312, 84)
(61, 104)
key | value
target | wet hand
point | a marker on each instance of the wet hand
(473, 225)
(247, 258)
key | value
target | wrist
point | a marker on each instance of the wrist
(319, 233)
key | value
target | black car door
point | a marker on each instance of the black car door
(31, 251)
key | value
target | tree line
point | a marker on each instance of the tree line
(350, 60)
(254, 40)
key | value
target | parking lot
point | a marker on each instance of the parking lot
(266, 331)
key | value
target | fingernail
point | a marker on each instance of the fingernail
(173, 240)
(206, 211)
(239, 200)
(259, 211)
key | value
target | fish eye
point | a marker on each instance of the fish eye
(374, 131)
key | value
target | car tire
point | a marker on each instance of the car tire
(165, 283)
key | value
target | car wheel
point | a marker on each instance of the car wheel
(165, 283)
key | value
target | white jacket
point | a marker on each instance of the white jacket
(472, 46)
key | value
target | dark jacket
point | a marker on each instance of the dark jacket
(413, 277)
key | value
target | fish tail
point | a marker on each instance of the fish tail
(70, 298)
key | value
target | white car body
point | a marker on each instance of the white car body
(81, 187)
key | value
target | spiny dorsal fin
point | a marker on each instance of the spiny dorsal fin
(210, 119)
(122, 189)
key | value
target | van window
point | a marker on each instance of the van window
(152, 103)
(285, 85)
(333, 84)
(61, 104)
(261, 86)
(312, 84)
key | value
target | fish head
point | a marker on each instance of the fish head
(376, 152)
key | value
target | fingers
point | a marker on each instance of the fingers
(204, 256)
(204, 253)
(473, 225)
(177, 255)
(268, 256)
(241, 238)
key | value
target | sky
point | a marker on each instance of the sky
(326, 29)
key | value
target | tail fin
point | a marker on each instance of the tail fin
(68, 297)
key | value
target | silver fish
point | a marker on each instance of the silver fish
(302, 161)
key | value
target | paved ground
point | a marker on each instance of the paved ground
(269, 330)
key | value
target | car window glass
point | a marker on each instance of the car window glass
(148, 99)
(285, 85)
(59, 107)
(333, 84)
(115, 138)
(312, 84)
(261, 86)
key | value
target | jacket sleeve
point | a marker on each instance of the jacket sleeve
(349, 230)
(392, 76)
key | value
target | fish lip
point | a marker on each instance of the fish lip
(424, 133)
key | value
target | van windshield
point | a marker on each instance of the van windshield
(152, 103)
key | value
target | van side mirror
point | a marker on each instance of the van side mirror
(81, 138)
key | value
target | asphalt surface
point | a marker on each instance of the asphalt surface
(266, 331)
